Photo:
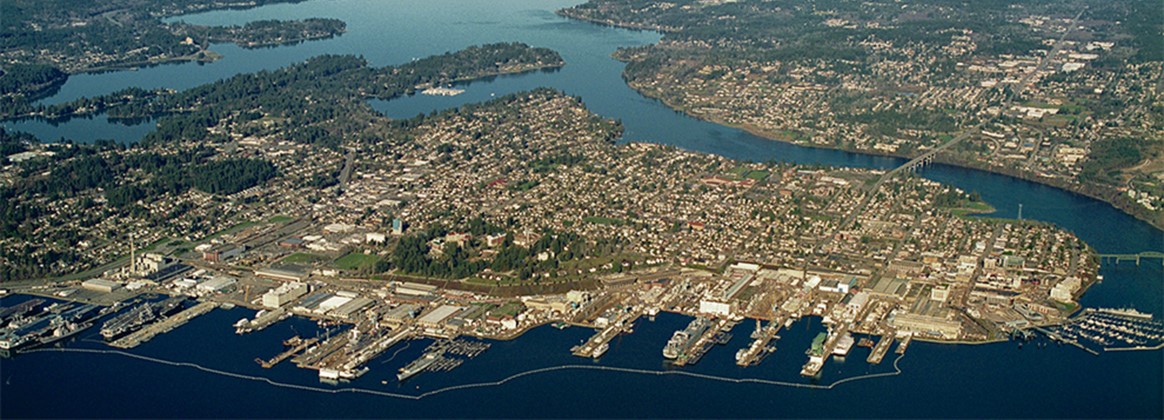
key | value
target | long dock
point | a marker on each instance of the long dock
(816, 362)
(703, 344)
(315, 357)
(880, 349)
(760, 346)
(370, 352)
(299, 345)
(164, 326)
(1055, 336)
(904, 344)
(604, 336)
(271, 317)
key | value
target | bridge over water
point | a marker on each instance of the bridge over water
(1116, 258)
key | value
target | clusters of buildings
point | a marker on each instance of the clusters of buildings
(704, 235)
(918, 95)
(693, 234)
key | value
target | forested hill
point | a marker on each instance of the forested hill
(59, 37)
(305, 99)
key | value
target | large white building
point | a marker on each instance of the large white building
(217, 284)
(284, 294)
(715, 308)
(438, 316)
(100, 285)
(1065, 290)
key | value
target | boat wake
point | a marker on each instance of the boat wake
(406, 345)
(352, 390)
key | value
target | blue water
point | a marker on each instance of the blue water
(83, 130)
(937, 380)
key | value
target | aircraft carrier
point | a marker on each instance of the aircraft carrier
(140, 316)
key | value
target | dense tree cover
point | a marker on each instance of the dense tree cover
(887, 122)
(14, 142)
(81, 168)
(796, 31)
(413, 254)
(1109, 155)
(565, 159)
(30, 80)
(70, 36)
(231, 175)
(263, 33)
(310, 97)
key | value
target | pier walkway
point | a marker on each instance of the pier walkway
(299, 344)
(602, 337)
(880, 349)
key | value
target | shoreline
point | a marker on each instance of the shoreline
(1079, 190)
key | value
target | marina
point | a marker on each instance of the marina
(1111, 330)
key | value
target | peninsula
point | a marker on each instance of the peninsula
(285, 192)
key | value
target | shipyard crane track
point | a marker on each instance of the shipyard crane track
(925, 157)
(503, 381)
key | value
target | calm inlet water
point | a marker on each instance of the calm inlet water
(936, 380)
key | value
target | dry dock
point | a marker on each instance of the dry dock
(166, 325)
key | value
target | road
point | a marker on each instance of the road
(1021, 86)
